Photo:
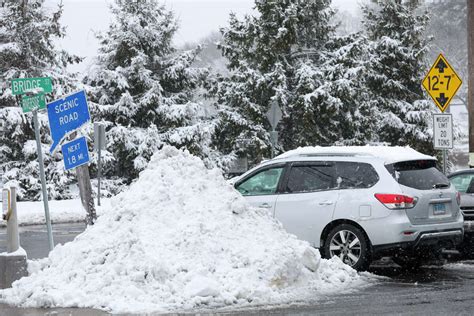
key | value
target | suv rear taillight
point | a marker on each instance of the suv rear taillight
(396, 201)
(458, 197)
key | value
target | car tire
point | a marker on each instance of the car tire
(350, 244)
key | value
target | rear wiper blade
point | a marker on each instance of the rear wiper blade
(440, 185)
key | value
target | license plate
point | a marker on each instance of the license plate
(439, 209)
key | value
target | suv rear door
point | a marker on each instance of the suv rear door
(436, 199)
(307, 202)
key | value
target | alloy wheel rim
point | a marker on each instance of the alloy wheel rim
(346, 246)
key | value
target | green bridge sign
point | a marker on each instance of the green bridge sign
(23, 85)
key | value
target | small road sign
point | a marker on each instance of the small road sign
(66, 115)
(75, 153)
(442, 83)
(274, 115)
(24, 85)
(99, 136)
(443, 131)
(36, 102)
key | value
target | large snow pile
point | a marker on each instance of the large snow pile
(179, 238)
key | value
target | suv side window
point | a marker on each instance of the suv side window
(264, 182)
(309, 178)
(355, 175)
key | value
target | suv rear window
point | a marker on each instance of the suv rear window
(418, 174)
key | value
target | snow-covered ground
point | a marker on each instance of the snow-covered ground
(66, 211)
(181, 238)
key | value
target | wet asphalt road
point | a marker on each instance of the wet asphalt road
(433, 290)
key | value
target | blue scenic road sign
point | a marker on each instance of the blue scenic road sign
(75, 153)
(66, 115)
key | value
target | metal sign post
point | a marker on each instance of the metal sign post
(33, 91)
(43, 179)
(99, 144)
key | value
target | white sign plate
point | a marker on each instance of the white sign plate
(443, 131)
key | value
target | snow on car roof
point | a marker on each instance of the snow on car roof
(390, 154)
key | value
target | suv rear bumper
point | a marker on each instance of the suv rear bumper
(431, 241)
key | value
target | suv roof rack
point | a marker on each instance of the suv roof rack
(334, 154)
(329, 154)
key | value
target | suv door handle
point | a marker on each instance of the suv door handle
(265, 205)
(326, 203)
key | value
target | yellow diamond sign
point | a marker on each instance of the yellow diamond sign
(442, 83)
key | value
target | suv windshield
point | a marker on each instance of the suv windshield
(418, 174)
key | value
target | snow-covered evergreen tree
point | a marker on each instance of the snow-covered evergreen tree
(345, 71)
(289, 54)
(27, 35)
(395, 71)
(264, 53)
(145, 90)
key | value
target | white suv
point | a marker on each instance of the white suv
(360, 203)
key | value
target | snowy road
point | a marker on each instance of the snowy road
(433, 290)
(35, 240)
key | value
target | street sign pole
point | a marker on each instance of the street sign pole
(99, 144)
(445, 158)
(98, 176)
(33, 91)
(445, 154)
(43, 179)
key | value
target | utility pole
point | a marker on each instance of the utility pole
(470, 49)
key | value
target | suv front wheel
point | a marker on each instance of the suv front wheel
(349, 244)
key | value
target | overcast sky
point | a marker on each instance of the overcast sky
(197, 19)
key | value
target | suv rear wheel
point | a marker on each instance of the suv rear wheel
(350, 244)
